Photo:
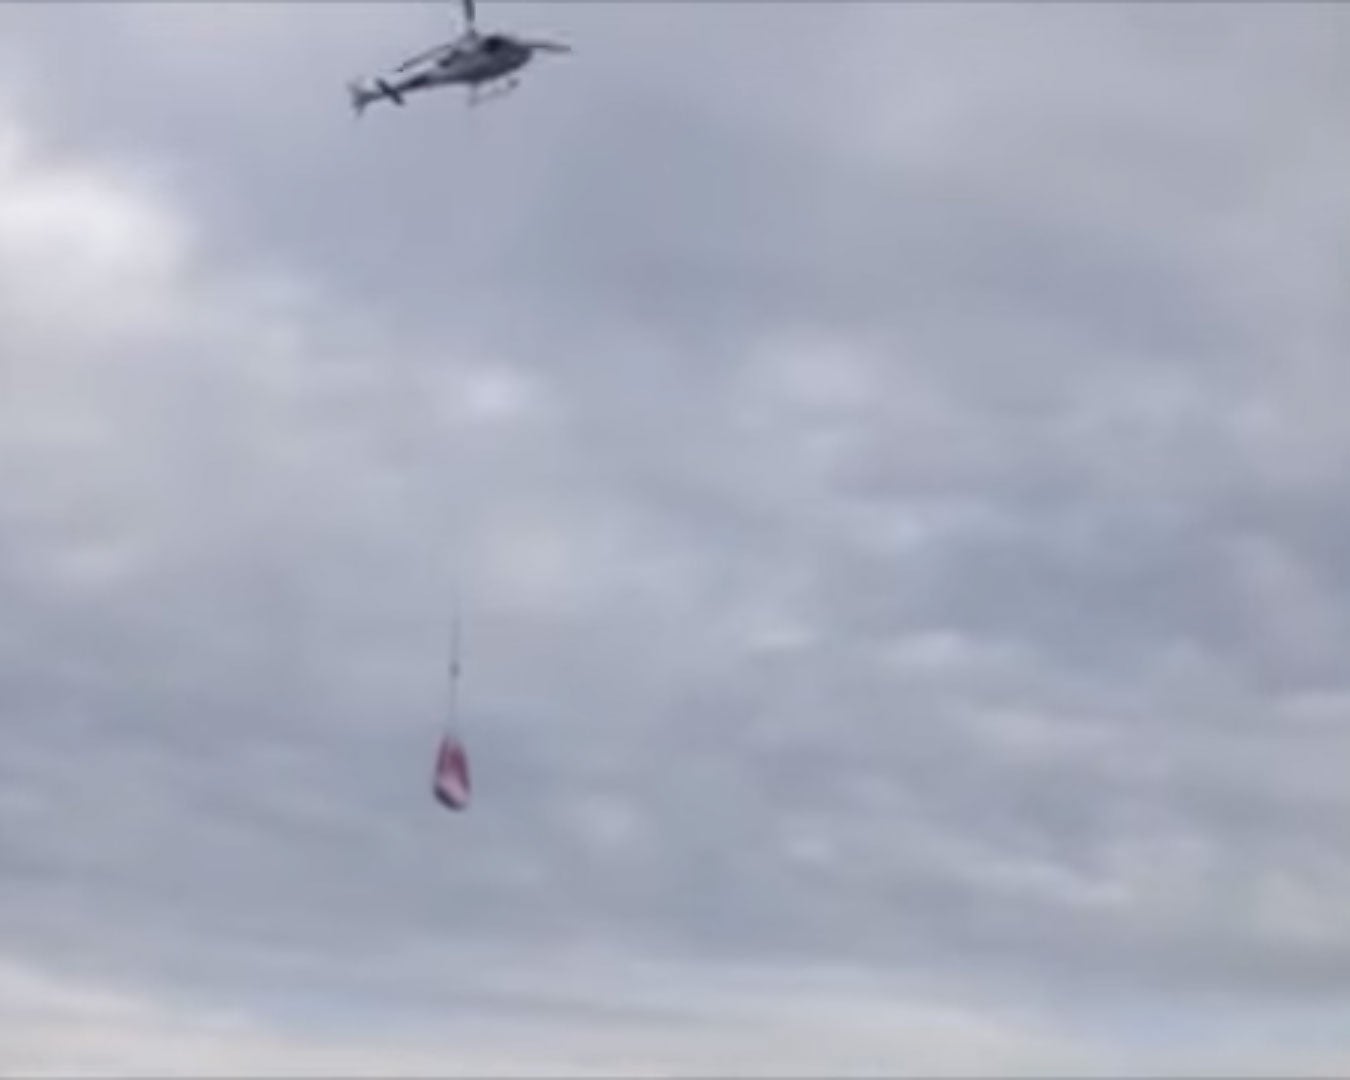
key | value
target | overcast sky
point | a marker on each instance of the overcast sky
(893, 459)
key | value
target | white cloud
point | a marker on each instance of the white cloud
(648, 1021)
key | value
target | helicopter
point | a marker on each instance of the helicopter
(473, 59)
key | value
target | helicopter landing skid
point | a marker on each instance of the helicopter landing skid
(477, 96)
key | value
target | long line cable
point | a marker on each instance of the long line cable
(456, 664)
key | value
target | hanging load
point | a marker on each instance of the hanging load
(451, 786)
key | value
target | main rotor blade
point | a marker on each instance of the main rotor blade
(548, 46)
(469, 13)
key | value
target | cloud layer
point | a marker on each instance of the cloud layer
(892, 480)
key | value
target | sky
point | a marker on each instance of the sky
(889, 459)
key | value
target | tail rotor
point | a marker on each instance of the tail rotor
(356, 94)
(363, 93)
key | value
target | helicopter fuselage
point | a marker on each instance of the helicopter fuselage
(473, 59)
(472, 64)
(489, 59)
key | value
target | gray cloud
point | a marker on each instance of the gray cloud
(893, 477)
